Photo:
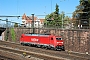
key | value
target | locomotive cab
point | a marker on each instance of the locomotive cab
(59, 43)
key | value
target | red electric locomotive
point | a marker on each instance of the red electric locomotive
(42, 40)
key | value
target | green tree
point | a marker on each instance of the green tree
(53, 19)
(66, 21)
(62, 16)
(82, 13)
(13, 34)
(16, 25)
(56, 19)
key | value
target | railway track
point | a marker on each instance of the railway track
(5, 55)
(39, 55)
(49, 54)
(5, 58)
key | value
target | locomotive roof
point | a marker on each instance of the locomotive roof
(37, 34)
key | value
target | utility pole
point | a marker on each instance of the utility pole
(6, 23)
(7, 31)
(62, 20)
(33, 23)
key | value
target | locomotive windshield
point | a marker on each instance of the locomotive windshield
(58, 38)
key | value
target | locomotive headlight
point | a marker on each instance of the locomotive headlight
(62, 42)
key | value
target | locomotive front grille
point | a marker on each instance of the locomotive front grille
(59, 47)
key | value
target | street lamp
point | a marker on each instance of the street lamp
(33, 23)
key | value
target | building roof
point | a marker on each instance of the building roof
(24, 16)
(29, 18)
(41, 20)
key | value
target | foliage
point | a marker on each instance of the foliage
(55, 18)
(6, 37)
(16, 25)
(82, 13)
(13, 34)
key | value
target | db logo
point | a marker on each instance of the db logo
(34, 39)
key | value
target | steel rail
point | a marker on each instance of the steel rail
(68, 55)
(39, 55)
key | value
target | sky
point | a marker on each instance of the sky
(37, 7)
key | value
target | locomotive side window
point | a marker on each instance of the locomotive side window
(51, 38)
(58, 38)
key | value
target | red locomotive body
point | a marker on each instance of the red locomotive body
(41, 40)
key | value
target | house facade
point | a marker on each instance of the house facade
(27, 21)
